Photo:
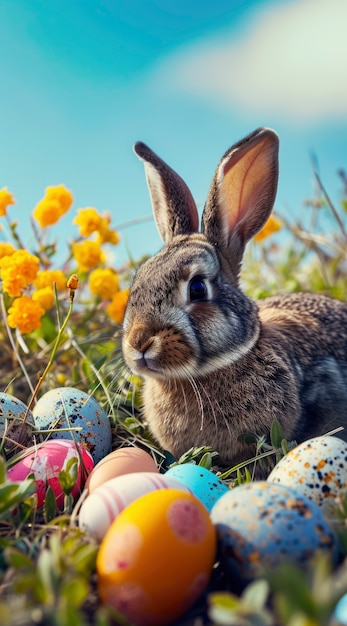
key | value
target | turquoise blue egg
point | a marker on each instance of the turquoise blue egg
(261, 525)
(73, 414)
(340, 612)
(203, 483)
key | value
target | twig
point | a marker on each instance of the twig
(134, 222)
(14, 347)
(330, 204)
(72, 285)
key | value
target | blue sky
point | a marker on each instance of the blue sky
(82, 80)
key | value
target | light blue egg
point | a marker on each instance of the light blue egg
(12, 427)
(340, 613)
(66, 407)
(261, 525)
(203, 483)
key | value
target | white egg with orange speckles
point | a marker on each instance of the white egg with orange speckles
(316, 468)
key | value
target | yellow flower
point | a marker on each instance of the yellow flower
(116, 308)
(107, 234)
(46, 278)
(18, 270)
(6, 249)
(272, 225)
(103, 283)
(54, 204)
(87, 254)
(6, 198)
(88, 220)
(25, 314)
(45, 297)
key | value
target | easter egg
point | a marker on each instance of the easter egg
(12, 427)
(317, 469)
(340, 611)
(68, 408)
(45, 461)
(156, 558)
(261, 525)
(106, 502)
(119, 462)
(203, 483)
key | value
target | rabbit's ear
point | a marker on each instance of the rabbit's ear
(242, 193)
(174, 209)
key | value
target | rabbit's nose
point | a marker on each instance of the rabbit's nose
(140, 338)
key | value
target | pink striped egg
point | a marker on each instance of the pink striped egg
(105, 503)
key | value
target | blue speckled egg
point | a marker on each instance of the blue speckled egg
(12, 431)
(203, 483)
(261, 525)
(317, 469)
(65, 408)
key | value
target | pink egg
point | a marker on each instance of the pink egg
(45, 461)
(120, 462)
(102, 506)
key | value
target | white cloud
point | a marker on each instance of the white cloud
(290, 61)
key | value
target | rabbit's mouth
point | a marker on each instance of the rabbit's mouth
(165, 354)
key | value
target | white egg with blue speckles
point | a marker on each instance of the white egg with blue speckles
(262, 525)
(316, 468)
(69, 408)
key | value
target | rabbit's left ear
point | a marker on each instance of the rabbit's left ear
(174, 208)
(242, 193)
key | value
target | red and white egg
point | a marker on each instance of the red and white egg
(45, 461)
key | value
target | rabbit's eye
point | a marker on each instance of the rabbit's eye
(197, 289)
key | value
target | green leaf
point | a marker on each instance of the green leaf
(247, 438)
(17, 559)
(293, 594)
(206, 460)
(276, 434)
(12, 494)
(2, 470)
(84, 557)
(50, 508)
(74, 592)
(68, 476)
(224, 600)
(248, 475)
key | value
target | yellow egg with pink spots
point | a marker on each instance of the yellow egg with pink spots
(157, 557)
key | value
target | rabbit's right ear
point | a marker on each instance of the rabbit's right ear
(242, 193)
(174, 208)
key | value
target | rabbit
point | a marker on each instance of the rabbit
(214, 363)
